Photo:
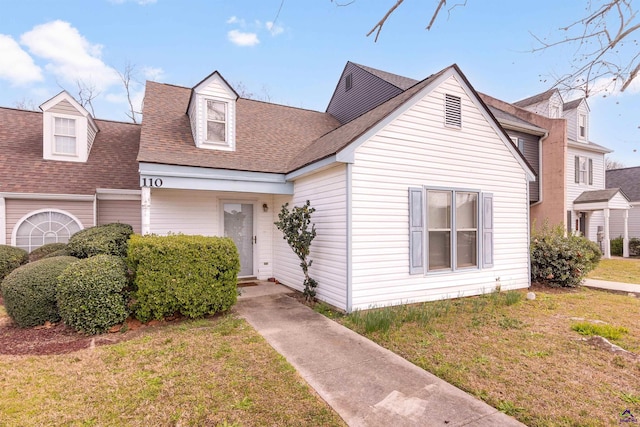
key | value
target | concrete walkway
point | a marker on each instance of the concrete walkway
(613, 286)
(364, 383)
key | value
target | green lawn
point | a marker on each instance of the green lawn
(214, 372)
(521, 356)
(618, 270)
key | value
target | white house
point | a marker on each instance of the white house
(421, 196)
(628, 180)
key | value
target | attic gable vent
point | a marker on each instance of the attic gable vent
(452, 111)
(348, 82)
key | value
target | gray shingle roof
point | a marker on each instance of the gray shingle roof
(535, 98)
(268, 135)
(596, 196)
(111, 164)
(627, 179)
(504, 117)
(571, 105)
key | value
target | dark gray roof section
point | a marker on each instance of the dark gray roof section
(572, 105)
(509, 119)
(535, 98)
(400, 82)
(592, 146)
(595, 196)
(627, 179)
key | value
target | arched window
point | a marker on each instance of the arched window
(42, 227)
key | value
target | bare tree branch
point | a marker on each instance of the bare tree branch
(384, 19)
(86, 94)
(435, 14)
(128, 79)
(610, 163)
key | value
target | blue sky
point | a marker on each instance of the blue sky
(292, 54)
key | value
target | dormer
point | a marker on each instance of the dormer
(577, 114)
(547, 104)
(212, 113)
(68, 129)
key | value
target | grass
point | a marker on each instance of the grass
(214, 372)
(618, 270)
(522, 356)
(606, 331)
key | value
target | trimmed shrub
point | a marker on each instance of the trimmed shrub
(29, 292)
(616, 246)
(560, 260)
(46, 250)
(92, 294)
(110, 239)
(634, 246)
(10, 259)
(191, 275)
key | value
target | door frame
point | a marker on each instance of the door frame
(254, 245)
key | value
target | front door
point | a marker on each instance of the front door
(583, 223)
(238, 225)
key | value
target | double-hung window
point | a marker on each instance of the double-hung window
(583, 170)
(582, 126)
(455, 229)
(216, 121)
(64, 136)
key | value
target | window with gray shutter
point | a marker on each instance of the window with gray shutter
(452, 110)
(416, 231)
(487, 230)
(577, 162)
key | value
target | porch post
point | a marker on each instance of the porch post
(146, 210)
(607, 241)
(625, 239)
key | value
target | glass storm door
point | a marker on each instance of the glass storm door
(238, 225)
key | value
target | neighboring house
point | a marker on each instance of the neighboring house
(587, 205)
(628, 180)
(419, 194)
(61, 171)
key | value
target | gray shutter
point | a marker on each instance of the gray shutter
(577, 169)
(416, 230)
(487, 230)
(590, 171)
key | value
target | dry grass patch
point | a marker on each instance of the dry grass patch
(617, 270)
(522, 356)
(207, 372)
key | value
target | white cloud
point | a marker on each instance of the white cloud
(242, 39)
(235, 20)
(71, 57)
(16, 65)
(152, 73)
(274, 29)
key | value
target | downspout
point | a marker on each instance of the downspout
(95, 209)
(349, 241)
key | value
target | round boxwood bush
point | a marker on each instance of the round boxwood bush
(29, 292)
(46, 250)
(108, 239)
(92, 294)
(10, 259)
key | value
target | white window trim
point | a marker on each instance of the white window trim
(453, 230)
(75, 135)
(207, 120)
(14, 233)
(586, 132)
(229, 143)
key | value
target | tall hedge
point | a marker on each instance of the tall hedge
(11, 258)
(29, 292)
(191, 275)
(110, 239)
(92, 293)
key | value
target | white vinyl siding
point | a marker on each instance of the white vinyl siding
(65, 107)
(326, 190)
(595, 163)
(417, 150)
(123, 211)
(616, 222)
(199, 212)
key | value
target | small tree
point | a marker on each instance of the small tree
(294, 225)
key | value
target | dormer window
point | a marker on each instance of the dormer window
(64, 136)
(216, 121)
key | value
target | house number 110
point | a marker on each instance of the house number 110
(152, 182)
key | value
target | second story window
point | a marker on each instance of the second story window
(584, 170)
(64, 136)
(582, 126)
(216, 121)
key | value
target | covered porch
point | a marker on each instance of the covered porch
(606, 201)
